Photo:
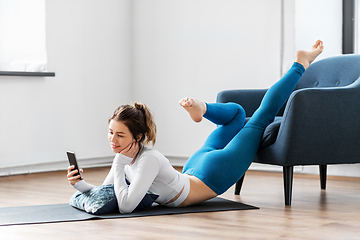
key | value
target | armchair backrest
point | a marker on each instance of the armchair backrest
(335, 71)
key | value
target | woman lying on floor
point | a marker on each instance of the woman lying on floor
(215, 167)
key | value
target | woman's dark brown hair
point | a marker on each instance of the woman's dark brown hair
(138, 118)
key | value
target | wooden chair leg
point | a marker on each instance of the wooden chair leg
(239, 185)
(323, 173)
(288, 180)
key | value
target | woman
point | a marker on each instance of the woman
(215, 167)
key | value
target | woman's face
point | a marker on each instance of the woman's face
(119, 136)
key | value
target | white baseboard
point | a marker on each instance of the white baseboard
(348, 170)
(54, 166)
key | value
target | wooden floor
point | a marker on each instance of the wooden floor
(314, 214)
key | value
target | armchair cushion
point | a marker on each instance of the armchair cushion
(271, 132)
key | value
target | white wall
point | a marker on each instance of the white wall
(312, 21)
(107, 53)
(89, 49)
(197, 48)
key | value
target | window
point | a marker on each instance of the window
(22, 37)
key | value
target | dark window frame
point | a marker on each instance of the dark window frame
(348, 43)
(27, 74)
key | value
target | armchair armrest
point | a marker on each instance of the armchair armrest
(319, 122)
(249, 99)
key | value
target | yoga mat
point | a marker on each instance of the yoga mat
(66, 213)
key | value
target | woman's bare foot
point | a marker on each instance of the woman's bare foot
(195, 108)
(305, 58)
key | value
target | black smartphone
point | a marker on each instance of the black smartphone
(72, 161)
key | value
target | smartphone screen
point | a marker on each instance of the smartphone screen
(72, 161)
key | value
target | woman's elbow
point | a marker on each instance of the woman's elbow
(125, 210)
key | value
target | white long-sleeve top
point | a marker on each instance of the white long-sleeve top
(150, 172)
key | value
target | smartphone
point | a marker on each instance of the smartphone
(72, 161)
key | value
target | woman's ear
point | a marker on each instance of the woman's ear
(138, 138)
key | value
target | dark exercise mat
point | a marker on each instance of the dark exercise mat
(66, 213)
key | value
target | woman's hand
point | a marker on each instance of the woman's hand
(74, 179)
(132, 150)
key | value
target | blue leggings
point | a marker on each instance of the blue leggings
(229, 150)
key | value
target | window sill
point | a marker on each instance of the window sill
(28, 74)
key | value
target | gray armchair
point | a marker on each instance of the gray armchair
(319, 124)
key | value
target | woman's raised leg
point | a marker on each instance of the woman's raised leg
(219, 169)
